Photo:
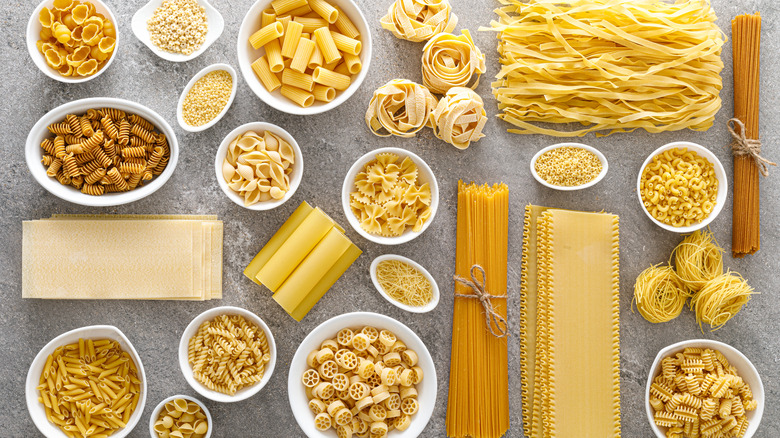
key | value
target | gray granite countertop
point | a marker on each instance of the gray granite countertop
(330, 143)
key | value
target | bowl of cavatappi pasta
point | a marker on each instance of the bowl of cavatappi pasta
(702, 387)
(361, 374)
(72, 41)
(682, 187)
(304, 56)
(101, 381)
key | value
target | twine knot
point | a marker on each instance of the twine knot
(495, 322)
(741, 145)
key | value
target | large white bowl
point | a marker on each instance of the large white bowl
(295, 176)
(33, 35)
(414, 309)
(94, 332)
(720, 173)
(426, 389)
(161, 405)
(186, 368)
(180, 106)
(247, 55)
(216, 24)
(744, 367)
(594, 151)
(425, 175)
(34, 153)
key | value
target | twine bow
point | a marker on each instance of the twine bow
(495, 322)
(741, 145)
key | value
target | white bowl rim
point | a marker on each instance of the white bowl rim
(32, 380)
(147, 10)
(423, 416)
(422, 309)
(723, 185)
(258, 126)
(109, 199)
(38, 57)
(716, 345)
(159, 408)
(280, 103)
(186, 369)
(596, 152)
(349, 182)
(206, 70)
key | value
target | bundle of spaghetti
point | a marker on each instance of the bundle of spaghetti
(611, 65)
(478, 399)
(660, 294)
(720, 299)
(698, 259)
(746, 35)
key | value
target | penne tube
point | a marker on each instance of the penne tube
(310, 24)
(267, 17)
(342, 68)
(297, 95)
(291, 38)
(284, 21)
(303, 10)
(354, 65)
(346, 44)
(323, 93)
(266, 34)
(324, 10)
(298, 80)
(331, 78)
(300, 61)
(283, 6)
(273, 53)
(316, 56)
(330, 52)
(345, 25)
(264, 73)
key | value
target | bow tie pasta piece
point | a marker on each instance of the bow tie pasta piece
(419, 20)
(400, 107)
(451, 61)
(459, 117)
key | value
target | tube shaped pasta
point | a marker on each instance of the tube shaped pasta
(273, 53)
(266, 34)
(323, 93)
(264, 73)
(353, 63)
(310, 24)
(267, 17)
(297, 95)
(292, 37)
(316, 56)
(345, 25)
(330, 52)
(324, 10)
(282, 6)
(346, 44)
(298, 80)
(300, 60)
(331, 78)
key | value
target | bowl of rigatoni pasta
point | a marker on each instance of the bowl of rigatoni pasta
(304, 56)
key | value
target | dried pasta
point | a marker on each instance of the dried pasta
(89, 388)
(721, 299)
(400, 107)
(607, 64)
(459, 117)
(75, 39)
(451, 61)
(228, 354)
(258, 165)
(184, 416)
(660, 294)
(568, 166)
(419, 20)
(404, 283)
(698, 259)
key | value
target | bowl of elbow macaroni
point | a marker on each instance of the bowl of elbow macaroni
(682, 187)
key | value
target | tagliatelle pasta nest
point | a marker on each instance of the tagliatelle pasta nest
(400, 107)
(611, 65)
(419, 20)
(258, 166)
(459, 117)
(451, 61)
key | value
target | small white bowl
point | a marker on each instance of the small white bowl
(34, 153)
(161, 405)
(214, 19)
(247, 55)
(425, 175)
(744, 367)
(192, 329)
(33, 35)
(94, 332)
(720, 173)
(196, 78)
(426, 389)
(414, 309)
(295, 176)
(596, 152)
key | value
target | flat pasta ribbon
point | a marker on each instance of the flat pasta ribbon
(451, 61)
(419, 20)
(400, 107)
(459, 117)
(495, 322)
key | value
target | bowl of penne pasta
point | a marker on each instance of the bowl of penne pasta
(304, 56)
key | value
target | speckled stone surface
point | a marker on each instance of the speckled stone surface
(330, 143)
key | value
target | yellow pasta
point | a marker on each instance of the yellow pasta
(419, 20)
(400, 107)
(721, 299)
(323, 93)
(266, 35)
(273, 52)
(283, 6)
(184, 416)
(297, 95)
(268, 16)
(346, 44)
(353, 63)
(404, 283)
(345, 25)
(330, 78)
(698, 259)
(263, 72)
(324, 10)
(659, 294)
(459, 117)
(292, 36)
(451, 61)
(330, 52)
(298, 80)
(310, 24)
(300, 60)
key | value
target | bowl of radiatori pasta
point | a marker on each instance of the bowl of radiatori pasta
(231, 338)
(682, 187)
(101, 381)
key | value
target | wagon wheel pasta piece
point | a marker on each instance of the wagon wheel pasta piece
(459, 117)
(419, 20)
(451, 61)
(400, 107)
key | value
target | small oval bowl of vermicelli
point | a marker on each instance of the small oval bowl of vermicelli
(691, 351)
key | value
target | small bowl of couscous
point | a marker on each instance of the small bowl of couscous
(206, 98)
(569, 166)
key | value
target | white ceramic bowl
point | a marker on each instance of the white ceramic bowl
(95, 332)
(33, 35)
(247, 55)
(214, 19)
(425, 175)
(196, 78)
(422, 309)
(161, 405)
(186, 369)
(596, 152)
(744, 367)
(34, 153)
(295, 176)
(426, 389)
(720, 173)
